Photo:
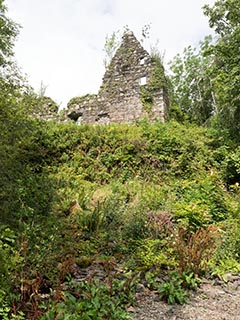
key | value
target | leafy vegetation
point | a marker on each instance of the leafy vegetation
(192, 83)
(157, 81)
(87, 212)
(206, 81)
(9, 31)
(153, 197)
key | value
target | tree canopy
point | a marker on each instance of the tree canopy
(224, 17)
(192, 85)
(206, 80)
(8, 33)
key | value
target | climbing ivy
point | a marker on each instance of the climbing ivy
(146, 98)
(157, 81)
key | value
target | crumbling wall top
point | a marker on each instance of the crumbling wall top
(129, 90)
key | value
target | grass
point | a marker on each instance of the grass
(148, 199)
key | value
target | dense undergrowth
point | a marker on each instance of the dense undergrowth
(150, 203)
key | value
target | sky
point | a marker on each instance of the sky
(61, 42)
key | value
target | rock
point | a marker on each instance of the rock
(229, 277)
(210, 302)
(140, 288)
(131, 309)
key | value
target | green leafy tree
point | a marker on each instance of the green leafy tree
(192, 89)
(224, 17)
(9, 32)
(112, 42)
(9, 113)
(20, 136)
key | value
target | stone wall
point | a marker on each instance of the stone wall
(121, 97)
(45, 108)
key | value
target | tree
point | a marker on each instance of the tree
(112, 42)
(8, 34)
(224, 17)
(21, 138)
(191, 78)
(206, 82)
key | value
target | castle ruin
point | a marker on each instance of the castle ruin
(133, 88)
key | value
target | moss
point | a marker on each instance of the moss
(43, 105)
(80, 100)
(158, 79)
(146, 98)
(157, 82)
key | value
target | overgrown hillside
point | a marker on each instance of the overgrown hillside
(90, 215)
(105, 207)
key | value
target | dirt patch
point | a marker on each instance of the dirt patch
(214, 300)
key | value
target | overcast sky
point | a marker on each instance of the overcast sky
(61, 41)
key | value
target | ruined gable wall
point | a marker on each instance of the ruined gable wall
(120, 96)
(121, 82)
(130, 63)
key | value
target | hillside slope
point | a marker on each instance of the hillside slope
(105, 208)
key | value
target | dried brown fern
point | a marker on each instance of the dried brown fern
(195, 250)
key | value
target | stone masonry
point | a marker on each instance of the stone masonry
(121, 97)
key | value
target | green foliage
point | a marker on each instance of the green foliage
(177, 114)
(149, 197)
(157, 82)
(227, 254)
(146, 98)
(172, 290)
(224, 18)
(158, 79)
(136, 187)
(5, 309)
(9, 31)
(201, 201)
(112, 43)
(232, 167)
(10, 261)
(154, 253)
(9, 258)
(190, 281)
(136, 228)
(220, 268)
(93, 301)
(192, 85)
(90, 221)
(205, 82)
(23, 179)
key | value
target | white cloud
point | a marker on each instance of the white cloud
(61, 41)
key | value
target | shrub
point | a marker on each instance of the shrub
(227, 255)
(194, 250)
(154, 253)
(172, 290)
(93, 300)
(232, 167)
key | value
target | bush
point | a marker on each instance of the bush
(232, 167)
(193, 251)
(94, 300)
(174, 290)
